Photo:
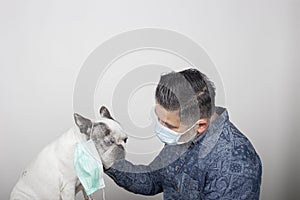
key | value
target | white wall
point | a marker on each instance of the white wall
(254, 45)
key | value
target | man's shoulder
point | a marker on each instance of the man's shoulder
(234, 145)
(234, 153)
(240, 146)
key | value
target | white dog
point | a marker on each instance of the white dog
(52, 174)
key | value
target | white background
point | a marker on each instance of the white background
(254, 45)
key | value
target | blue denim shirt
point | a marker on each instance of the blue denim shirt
(220, 164)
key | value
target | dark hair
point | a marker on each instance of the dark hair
(189, 91)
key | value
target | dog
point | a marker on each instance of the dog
(52, 174)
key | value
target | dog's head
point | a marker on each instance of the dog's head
(106, 133)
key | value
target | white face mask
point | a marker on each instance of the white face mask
(169, 136)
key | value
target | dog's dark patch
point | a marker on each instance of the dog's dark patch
(83, 123)
(105, 130)
(104, 112)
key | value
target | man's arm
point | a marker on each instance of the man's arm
(145, 179)
(140, 179)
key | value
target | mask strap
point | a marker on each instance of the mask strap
(191, 135)
(91, 131)
(190, 127)
(103, 194)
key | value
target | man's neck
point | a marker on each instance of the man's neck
(212, 119)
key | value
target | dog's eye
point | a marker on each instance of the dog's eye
(109, 141)
(125, 140)
(112, 141)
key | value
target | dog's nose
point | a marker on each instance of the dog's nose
(122, 141)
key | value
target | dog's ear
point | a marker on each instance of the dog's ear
(83, 124)
(105, 113)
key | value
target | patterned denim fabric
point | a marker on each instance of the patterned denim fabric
(220, 164)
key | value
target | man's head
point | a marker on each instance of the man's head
(184, 98)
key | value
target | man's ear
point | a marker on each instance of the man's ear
(104, 112)
(202, 126)
(83, 124)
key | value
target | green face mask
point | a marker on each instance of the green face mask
(88, 167)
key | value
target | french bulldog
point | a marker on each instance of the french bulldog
(52, 174)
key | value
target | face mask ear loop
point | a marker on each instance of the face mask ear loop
(103, 194)
(189, 129)
(91, 131)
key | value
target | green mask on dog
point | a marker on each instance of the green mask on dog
(88, 167)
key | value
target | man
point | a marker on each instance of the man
(205, 156)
